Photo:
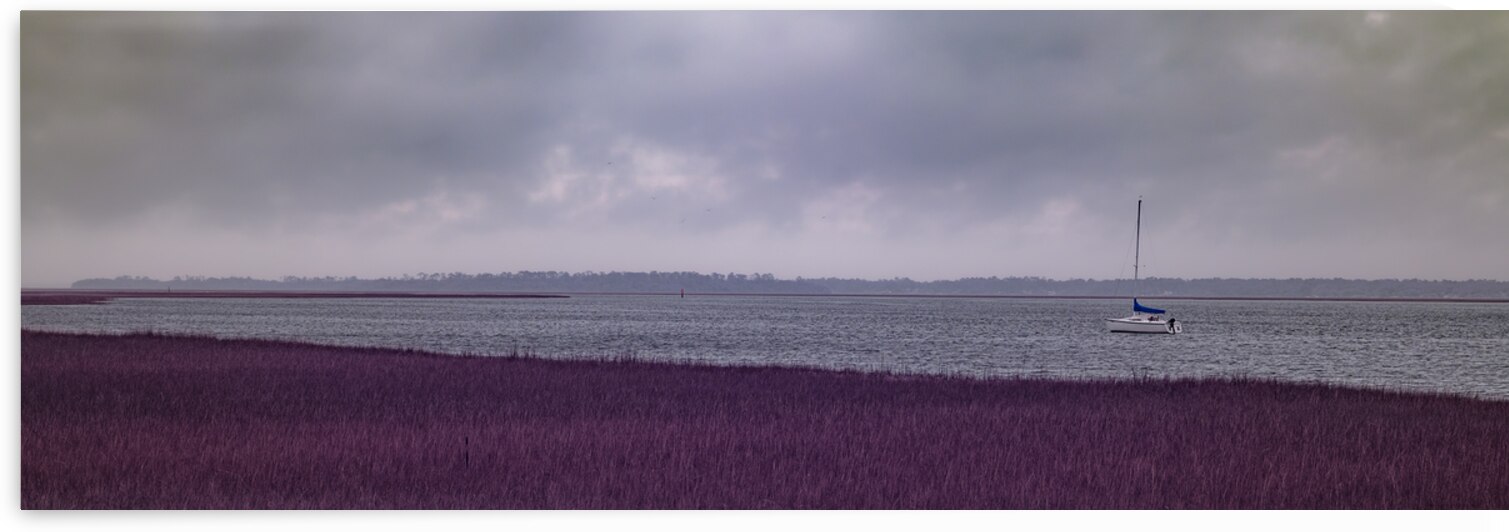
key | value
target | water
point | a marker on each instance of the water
(1455, 347)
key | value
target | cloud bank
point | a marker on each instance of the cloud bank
(928, 145)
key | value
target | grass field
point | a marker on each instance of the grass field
(151, 421)
(89, 297)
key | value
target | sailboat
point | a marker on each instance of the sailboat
(1144, 319)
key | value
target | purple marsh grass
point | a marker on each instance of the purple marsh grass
(87, 297)
(56, 298)
(153, 421)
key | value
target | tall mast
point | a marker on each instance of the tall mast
(1137, 255)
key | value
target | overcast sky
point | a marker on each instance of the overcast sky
(852, 144)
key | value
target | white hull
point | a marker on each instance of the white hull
(1138, 324)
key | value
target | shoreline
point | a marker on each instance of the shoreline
(69, 296)
(525, 353)
(158, 421)
(86, 297)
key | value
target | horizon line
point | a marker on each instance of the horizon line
(413, 276)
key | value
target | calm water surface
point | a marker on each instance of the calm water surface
(1457, 347)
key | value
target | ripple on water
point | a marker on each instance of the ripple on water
(1458, 347)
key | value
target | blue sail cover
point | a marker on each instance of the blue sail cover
(1137, 307)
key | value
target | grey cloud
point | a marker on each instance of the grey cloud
(1253, 128)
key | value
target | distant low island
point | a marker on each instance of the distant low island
(764, 283)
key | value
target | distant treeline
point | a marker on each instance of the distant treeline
(765, 283)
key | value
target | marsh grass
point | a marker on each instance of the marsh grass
(51, 298)
(155, 421)
(89, 297)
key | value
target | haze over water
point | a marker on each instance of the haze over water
(1453, 347)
